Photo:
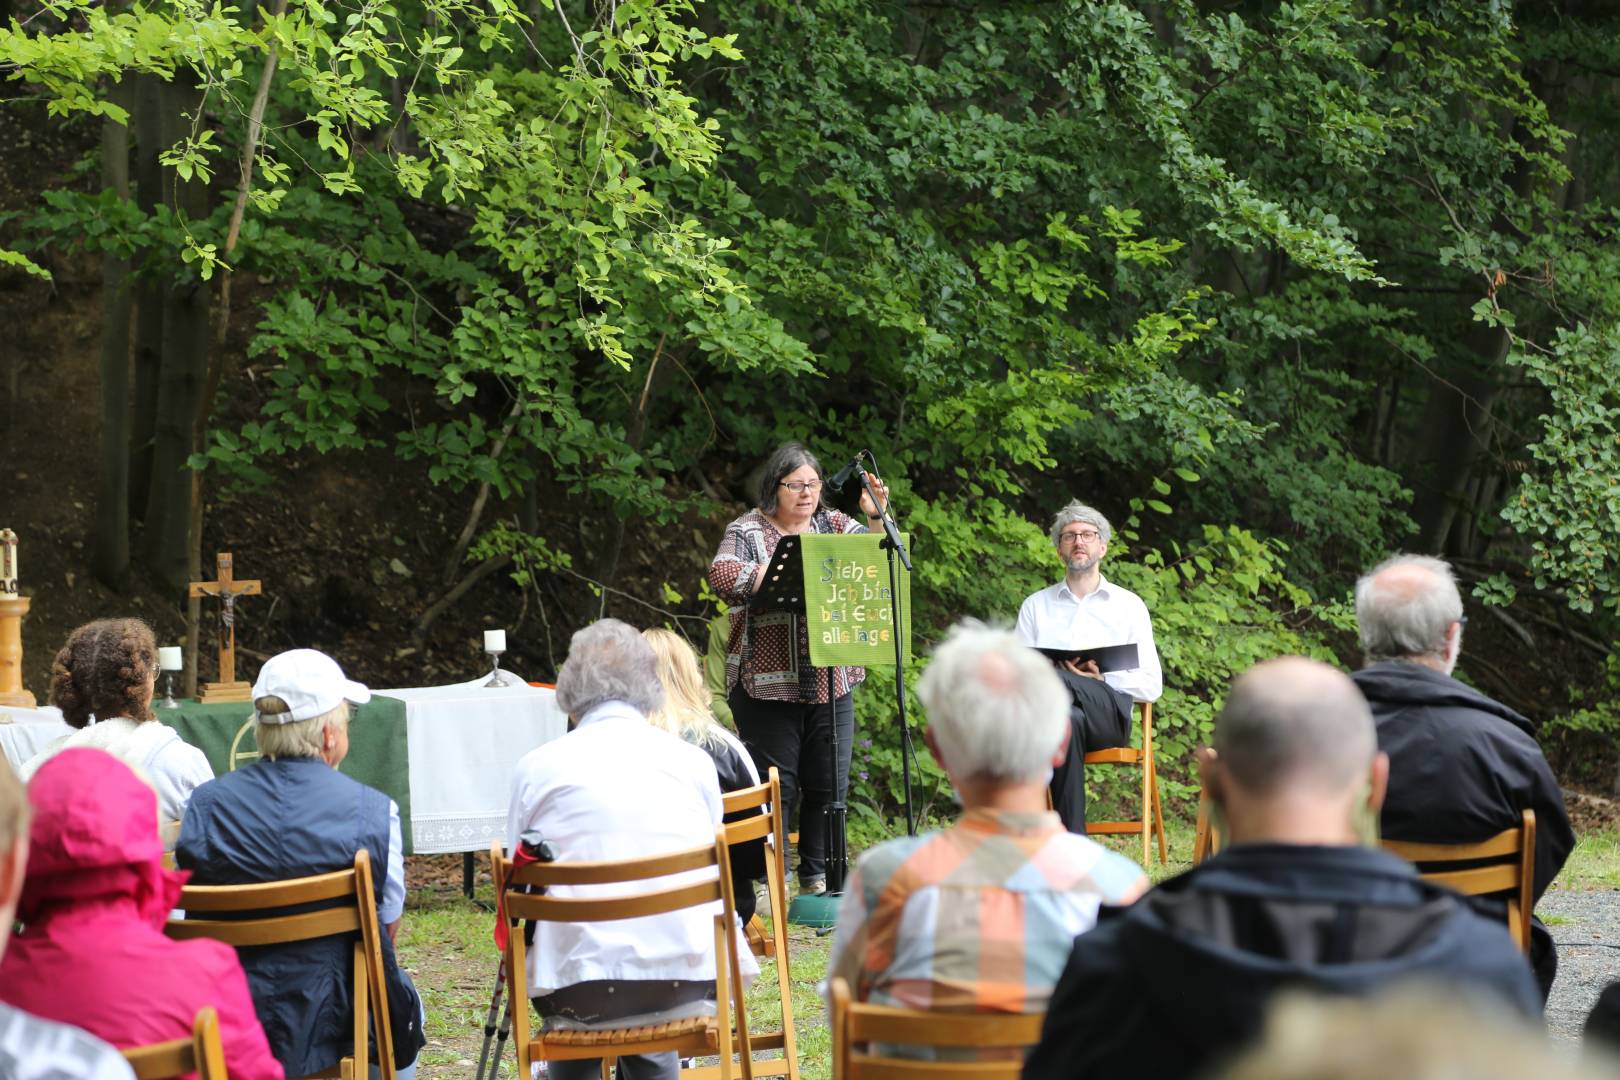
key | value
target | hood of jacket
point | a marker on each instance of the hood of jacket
(1398, 684)
(1261, 917)
(94, 840)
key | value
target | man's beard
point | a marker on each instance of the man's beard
(1083, 564)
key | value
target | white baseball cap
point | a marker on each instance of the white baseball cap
(310, 682)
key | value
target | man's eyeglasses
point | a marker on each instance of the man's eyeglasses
(799, 487)
(1087, 536)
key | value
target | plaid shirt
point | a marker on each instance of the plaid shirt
(979, 917)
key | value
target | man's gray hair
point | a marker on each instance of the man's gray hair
(299, 739)
(1297, 725)
(609, 661)
(1078, 511)
(1404, 606)
(996, 707)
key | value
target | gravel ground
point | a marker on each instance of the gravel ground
(1582, 923)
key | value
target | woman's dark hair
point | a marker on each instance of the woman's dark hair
(785, 459)
(102, 671)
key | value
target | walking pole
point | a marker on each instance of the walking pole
(489, 1023)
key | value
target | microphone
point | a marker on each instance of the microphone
(841, 477)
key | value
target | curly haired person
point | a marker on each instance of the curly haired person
(102, 680)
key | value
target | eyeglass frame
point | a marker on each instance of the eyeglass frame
(1089, 537)
(799, 487)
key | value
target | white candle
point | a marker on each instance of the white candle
(494, 640)
(169, 658)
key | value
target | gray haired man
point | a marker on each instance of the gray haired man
(1462, 767)
(1083, 611)
(615, 787)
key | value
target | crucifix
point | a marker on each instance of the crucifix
(227, 589)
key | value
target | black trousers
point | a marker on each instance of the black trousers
(1099, 718)
(794, 736)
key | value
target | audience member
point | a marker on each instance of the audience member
(1183, 978)
(292, 814)
(102, 680)
(31, 1048)
(92, 951)
(979, 917)
(685, 712)
(1415, 1033)
(1462, 767)
(1085, 611)
(616, 787)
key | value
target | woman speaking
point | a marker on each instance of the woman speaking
(785, 709)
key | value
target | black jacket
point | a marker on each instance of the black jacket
(1176, 984)
(1461, 766)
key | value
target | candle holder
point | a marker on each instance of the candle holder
(497, 678)
(168, 701)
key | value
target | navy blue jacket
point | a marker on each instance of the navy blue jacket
(1179, 982)
(276, 820)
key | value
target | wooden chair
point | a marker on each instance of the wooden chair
(764, 944)
(241, 915)
(1206, 841)
(856, 1023)
(1504, 864)
(202, 1054)
(1152, 820)
(702, 1035)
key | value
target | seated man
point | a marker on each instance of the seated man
(616, 787)
(96, 876)
(1462, 767)
(979, 917)
(31, 1048)
(1087, 611)
(1183, 979)
(292, 814)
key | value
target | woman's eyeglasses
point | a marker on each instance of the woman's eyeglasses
(799, 487)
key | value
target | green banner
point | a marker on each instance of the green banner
(378, 752)
(847, 600)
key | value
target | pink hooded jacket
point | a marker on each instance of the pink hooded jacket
(92, 951)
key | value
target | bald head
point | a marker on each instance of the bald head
(1405, 607)
(1295, 725)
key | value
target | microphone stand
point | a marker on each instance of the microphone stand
(896, 549)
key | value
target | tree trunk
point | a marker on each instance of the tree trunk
(150, 116)
(184, 370)
(111, 545)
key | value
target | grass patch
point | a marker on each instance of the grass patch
(1594, 864)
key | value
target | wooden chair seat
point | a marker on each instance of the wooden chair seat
(602, 1041)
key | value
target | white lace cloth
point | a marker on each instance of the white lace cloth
(465, 742)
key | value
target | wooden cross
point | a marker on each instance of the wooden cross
(227, 589)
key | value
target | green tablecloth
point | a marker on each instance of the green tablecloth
(378, 756)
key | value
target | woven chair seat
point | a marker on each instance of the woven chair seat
(706, 1026)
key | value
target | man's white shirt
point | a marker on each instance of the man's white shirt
(618, 788)
(1054, 618)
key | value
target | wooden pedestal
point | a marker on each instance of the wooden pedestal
(12, 693)
(215, 692)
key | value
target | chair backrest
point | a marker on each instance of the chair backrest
(766, 797)
(347, 906)
(856, 1023)
(202, 1053)
(1504, 863)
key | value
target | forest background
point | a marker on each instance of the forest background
(453, 313)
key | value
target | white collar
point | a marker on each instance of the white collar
(1101, 589)
(611, 710)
